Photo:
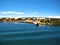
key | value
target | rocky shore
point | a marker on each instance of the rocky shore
(40, 21)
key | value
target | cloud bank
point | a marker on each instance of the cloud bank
(11, 12)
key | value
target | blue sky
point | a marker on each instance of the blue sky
(30, 8)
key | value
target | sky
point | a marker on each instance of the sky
(30, 8)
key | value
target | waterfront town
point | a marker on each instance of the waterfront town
(34, 20)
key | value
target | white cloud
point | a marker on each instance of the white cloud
(9, 12)
(51, 16)
(35, 13)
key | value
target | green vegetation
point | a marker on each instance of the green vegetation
(42, 21)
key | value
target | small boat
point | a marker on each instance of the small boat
(34, 23)
(37, 24)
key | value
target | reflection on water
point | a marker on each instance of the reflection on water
(28, 34)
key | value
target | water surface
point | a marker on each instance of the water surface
(28, 34)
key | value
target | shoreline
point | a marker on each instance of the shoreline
(43, 21)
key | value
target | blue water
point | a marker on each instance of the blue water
(28, 34)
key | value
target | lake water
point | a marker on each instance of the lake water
(28, 34)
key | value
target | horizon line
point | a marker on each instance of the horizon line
(30, 16)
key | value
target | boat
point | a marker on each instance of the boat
(36, 23)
